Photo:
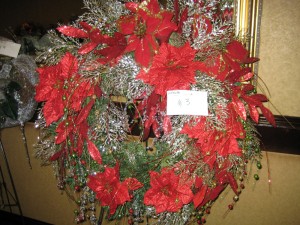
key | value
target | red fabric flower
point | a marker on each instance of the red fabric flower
(61, 87)
(231, 59)
(167, 193)
(172, 68)
(146, 26)
(243, 90)
(109, 190)
(213, 142)
(113, 46)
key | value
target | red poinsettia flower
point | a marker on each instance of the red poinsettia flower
(62, 88)
(116, 46)
(241, 89)
(172, 68)
(212, 143)
(223, 177)
(167, 193)
(94, 34)
(146, 26)
(231, 59)
(109, 190)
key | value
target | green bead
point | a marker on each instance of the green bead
(258, 164)
(256, 177)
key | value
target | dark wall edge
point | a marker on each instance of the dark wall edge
(284, 138)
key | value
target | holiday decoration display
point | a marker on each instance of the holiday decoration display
(108, 83)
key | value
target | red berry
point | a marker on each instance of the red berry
(131, 210)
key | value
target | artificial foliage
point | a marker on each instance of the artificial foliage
(104, 124)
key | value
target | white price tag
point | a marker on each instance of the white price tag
(184, 102)
(9, 48)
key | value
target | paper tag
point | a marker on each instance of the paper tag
(9, 48)
(184, 102)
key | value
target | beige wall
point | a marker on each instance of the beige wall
(40, 199)
(279, 67)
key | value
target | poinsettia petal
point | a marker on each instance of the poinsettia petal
(268, 114)
(236, 51)
(57, 155)
(126, 25)
(214, 193)
(86, 48)
(85, 26)
(52, 111)
(132, 6)
(260, 97)
(234, 65)
(156, 129)
(166, 27)
(94, 152)
(167, 125)
(250, 60)
(199, 196)
(153, 6)
(253, 113)
(133, 44)
(232, 182)
(239, 107)
(185, 194)
(69, 65)
(133, 184)
(84, 112)
(143, 53)
(72, 32)
(63, 130)
(183, 18)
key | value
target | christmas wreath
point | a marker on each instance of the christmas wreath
(148, 110)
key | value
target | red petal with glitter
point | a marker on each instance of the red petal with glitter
(239, 107)
(183, 18)
(86, 48)
(167, 125)
(131, 6)
(143, 53)
(56, 155)
(232, 183)
(253, 113)
(199, 196)
(166, 27)
(133, 184)
(236, 50)
(84, 112)
(268, 114)
(86, 26)
(72, 32)
(94, 152)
